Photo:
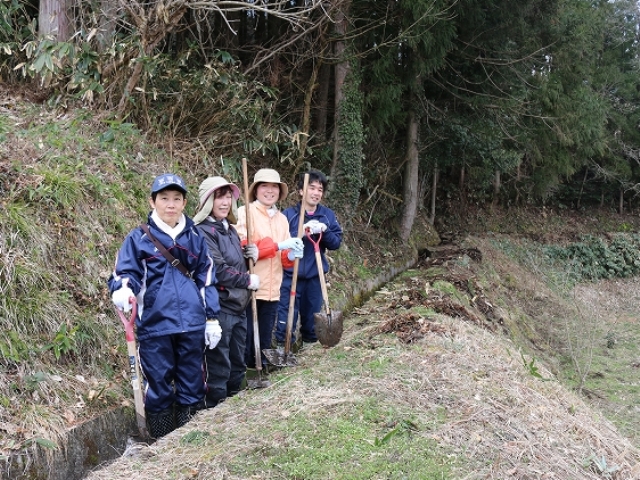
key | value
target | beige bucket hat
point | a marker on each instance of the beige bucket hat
(205, 192)
(267, 175)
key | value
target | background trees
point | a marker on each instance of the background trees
(406, 104)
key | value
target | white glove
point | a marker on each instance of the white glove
(212, 333)
(250, 251)
(291, 243)
(254, 283)
(293, 254)
(121, 298)
(314, 226)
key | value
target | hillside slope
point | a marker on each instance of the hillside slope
(438, 375)
(426, 383)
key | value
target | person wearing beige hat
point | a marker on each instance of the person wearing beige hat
(225, 366)
(270, 232)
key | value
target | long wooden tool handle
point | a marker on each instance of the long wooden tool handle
(254, 306)
(296, 264)
(323, 283)
(134, 365)
(136, 383)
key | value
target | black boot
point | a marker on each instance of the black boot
(160, 423)
(184, 413)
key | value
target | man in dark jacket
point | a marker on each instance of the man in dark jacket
(225, 366)
(321, 223)
(177, 311)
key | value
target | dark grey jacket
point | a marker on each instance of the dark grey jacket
(231, 268)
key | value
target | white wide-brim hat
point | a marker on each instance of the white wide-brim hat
(205, 191)
(267, 175)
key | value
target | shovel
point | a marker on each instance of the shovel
(134, 366)
(285, 358)
(328, 326)
(254, 382)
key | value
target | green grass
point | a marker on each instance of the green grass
(362, 443)
(364, 436)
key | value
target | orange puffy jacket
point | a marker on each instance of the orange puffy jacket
(266, 233)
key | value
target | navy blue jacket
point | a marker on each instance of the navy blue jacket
(331, 239)
(168, 301)
(231, 266)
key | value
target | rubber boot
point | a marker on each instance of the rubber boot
(184, 413)
(160, 423)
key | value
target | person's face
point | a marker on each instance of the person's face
(221, 204)
(268, 193)
(169, 204)
(313, 196)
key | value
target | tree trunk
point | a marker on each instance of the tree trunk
(109, 20)
(621, 202)
(411, 176)
(497, 184)
(341, 72)
(461, 181)
(305, 123)
(434, 186)
(53, 20)
(322, 104)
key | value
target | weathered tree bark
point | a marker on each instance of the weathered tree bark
(53, 20)
(411, 177)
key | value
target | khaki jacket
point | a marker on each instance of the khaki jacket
(262, 225)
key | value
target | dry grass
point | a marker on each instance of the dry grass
(466, 388)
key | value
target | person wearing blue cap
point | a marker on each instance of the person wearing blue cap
(165, 264)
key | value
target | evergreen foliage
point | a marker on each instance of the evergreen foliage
(542, 92)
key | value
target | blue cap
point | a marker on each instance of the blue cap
(167, 180)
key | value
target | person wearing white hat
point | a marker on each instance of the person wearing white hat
(178, 304)
(225, 366)
(270, 232)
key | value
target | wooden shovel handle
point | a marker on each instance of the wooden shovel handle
(323, 283)
(296, 265)
(254, 305)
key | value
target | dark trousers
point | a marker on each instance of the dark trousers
(224, 365)
(172, 366)
(308, 301)
(267, 312)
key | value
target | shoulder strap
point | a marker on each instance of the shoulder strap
(172, 260)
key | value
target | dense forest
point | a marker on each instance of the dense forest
(408, 105)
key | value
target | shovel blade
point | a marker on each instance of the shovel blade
(280, 358)
(328, 328)
(256, 383)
